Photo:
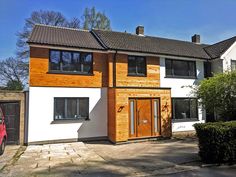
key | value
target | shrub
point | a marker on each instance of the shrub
(217, 141)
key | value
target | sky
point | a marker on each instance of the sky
(214, 20)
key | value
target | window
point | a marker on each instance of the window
(207, 69)
(71, 108)
(180, 68)
(136, 66)
(184, 108)
(132, 117)
(73, 62)
(233, 65)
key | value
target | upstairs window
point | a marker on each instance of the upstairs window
(180, 68)
(71, 62)
(136, 66)
(233, 65)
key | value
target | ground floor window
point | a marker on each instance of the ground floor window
(184, 109)
(71, 108)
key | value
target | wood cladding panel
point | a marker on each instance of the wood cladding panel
(39, 76)
(111, 115)
(152, 78)
(121, 116)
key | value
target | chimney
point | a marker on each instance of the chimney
(140, 30)
(196, 38)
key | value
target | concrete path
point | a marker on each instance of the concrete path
(160, 158)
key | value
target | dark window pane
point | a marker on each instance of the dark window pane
(180, 68)
(168, 67)
(76, 61)
(141, 65)
(182, 109)
(86, 63)
(54, 60)
(192, 71)
(83, 107)
(136, 65)
(185, 108)
(59, 108)
(131, 65)
(67, 64)
(71, 108)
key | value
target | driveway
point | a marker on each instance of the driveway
(156, 158)
(8, 156)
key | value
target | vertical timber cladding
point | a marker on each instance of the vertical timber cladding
(40, 75)
(119, 121)
(152, 79)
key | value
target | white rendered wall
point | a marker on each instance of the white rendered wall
(228, 56)
(41, 110)
(180, 88)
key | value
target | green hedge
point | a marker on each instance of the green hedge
(217, 141)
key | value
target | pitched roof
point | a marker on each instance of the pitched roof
(149, 44)
(103, 40)
(68, 37)
(216, 50)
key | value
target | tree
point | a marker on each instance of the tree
(93, 19)
(41, 17)
(14, 85)
(13, 74)
(218, 95)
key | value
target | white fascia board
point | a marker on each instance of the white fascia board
(67, 48)
(155, 55)
(228, 50)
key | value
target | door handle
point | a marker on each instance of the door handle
(138, 116)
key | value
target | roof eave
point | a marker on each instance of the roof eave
(65, 46)
(158, 53)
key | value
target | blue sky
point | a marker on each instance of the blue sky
(214, 20)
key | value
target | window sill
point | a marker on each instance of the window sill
(185, 120)
(69, 121)
(181, 77)
(70, 73)
(135, 75)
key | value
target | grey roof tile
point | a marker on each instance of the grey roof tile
(147, 44)
(69, 37)
(102, 40)
(216, 50)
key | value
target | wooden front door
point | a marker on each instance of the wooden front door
(11, 112)
(144, 118)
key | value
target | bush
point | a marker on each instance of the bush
(217, 141)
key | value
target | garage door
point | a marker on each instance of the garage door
(11, 112)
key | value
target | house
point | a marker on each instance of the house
(115, 85)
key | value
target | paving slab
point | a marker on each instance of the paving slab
(157, 158)
(9, 153)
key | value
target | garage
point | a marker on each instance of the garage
(11, 111)
(13, 106)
